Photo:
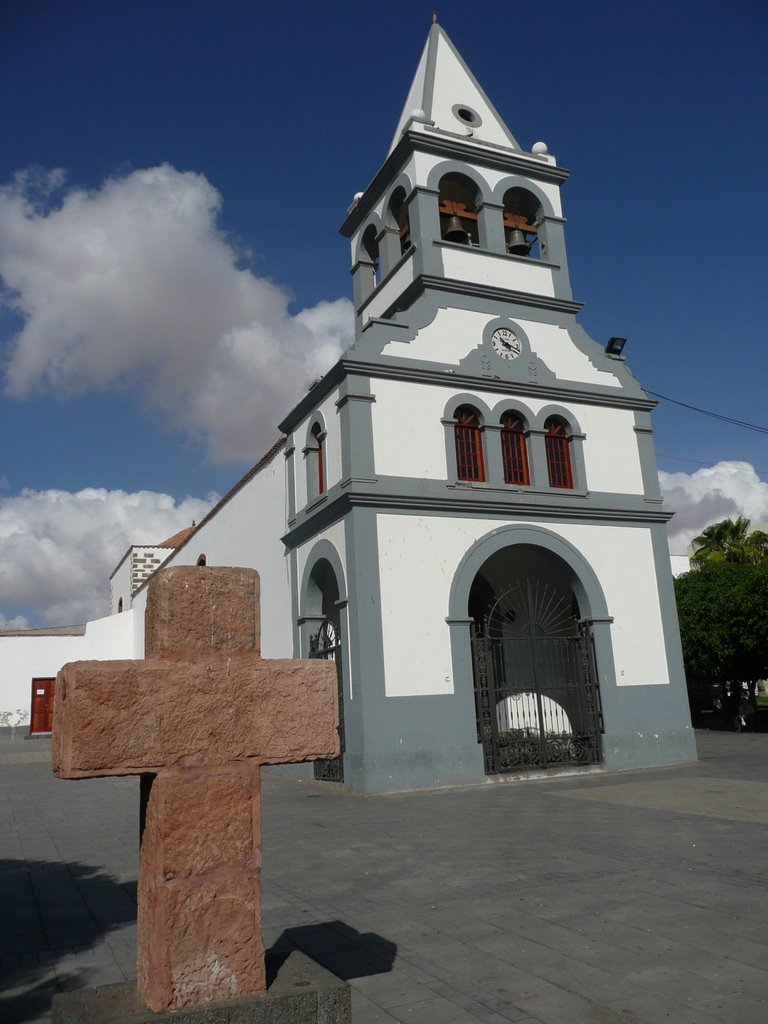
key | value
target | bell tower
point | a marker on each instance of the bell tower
(457, 204)
(475, 457)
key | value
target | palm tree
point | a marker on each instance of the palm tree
(730, 541)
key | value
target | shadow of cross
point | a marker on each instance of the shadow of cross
(196, 719)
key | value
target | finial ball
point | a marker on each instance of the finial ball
(540, 148)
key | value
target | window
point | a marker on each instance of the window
(469, 445)
(316, 462)
(514, 450)
(558, 443)
(202, 560)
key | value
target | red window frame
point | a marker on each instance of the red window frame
(514, 451)
(469, 446)
(558, 446)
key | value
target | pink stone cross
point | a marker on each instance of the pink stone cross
(196, 719)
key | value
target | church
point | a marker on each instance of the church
(464, 513)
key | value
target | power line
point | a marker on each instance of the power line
(702, 462)
(714, 415)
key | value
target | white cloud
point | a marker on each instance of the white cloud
(17, 622)
(134, 285)
(58, 548)
(723, 491)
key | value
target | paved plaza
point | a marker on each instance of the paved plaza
(625, 898)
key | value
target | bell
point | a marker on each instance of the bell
(517, 244)
(455, 231)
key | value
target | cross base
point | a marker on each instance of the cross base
(303, 992)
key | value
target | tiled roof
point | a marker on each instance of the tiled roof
(178, 538)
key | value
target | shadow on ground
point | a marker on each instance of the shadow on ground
(51, 912)
(336, 946)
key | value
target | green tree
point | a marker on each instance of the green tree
(722, 608)
(730, 541)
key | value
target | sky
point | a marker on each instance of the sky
(172, 179)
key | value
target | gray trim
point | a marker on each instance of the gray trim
(290, 475)
(577, 437)
(482, 500)
(442, 144)
(379, 320)
(552, 247)
(490, 227)
(432, 282)
(417, 372)
(356, 430)
(293, 577)
(363, 282)
(464, 169)
(475, 121)
(647, 455)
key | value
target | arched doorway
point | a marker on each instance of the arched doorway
(325, 642)
(536, 696)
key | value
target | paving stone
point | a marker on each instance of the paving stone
(545, 906)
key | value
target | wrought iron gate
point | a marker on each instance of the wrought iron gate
(326, 644)
(536, 695)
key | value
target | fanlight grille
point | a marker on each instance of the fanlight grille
(530, 610)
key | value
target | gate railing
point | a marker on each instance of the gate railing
(325, 645)
(537, 704)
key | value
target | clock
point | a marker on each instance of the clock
(506, 343)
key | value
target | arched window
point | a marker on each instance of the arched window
(521, 212)
(469, 445)
(202, 560)
(319, 437)
(558, 445)
(120, 605)
(458, 210)
(514, 450)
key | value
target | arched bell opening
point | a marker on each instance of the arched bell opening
(536, 696)
(522, 213)
(458, 210)
(371, 249)
(398, 216)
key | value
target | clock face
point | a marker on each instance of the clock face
(506, 343)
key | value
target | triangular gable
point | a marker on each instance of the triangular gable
(443, 85)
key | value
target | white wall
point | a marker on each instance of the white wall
(410, 438)
(120, 583)
(24, 658)
(246, 532)
(419, 556)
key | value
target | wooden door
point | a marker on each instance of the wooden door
(42, 705)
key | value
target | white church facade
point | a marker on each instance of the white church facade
(464, 511)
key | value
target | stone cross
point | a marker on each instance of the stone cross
(196, 720)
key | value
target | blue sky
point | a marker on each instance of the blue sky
(281, 114)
